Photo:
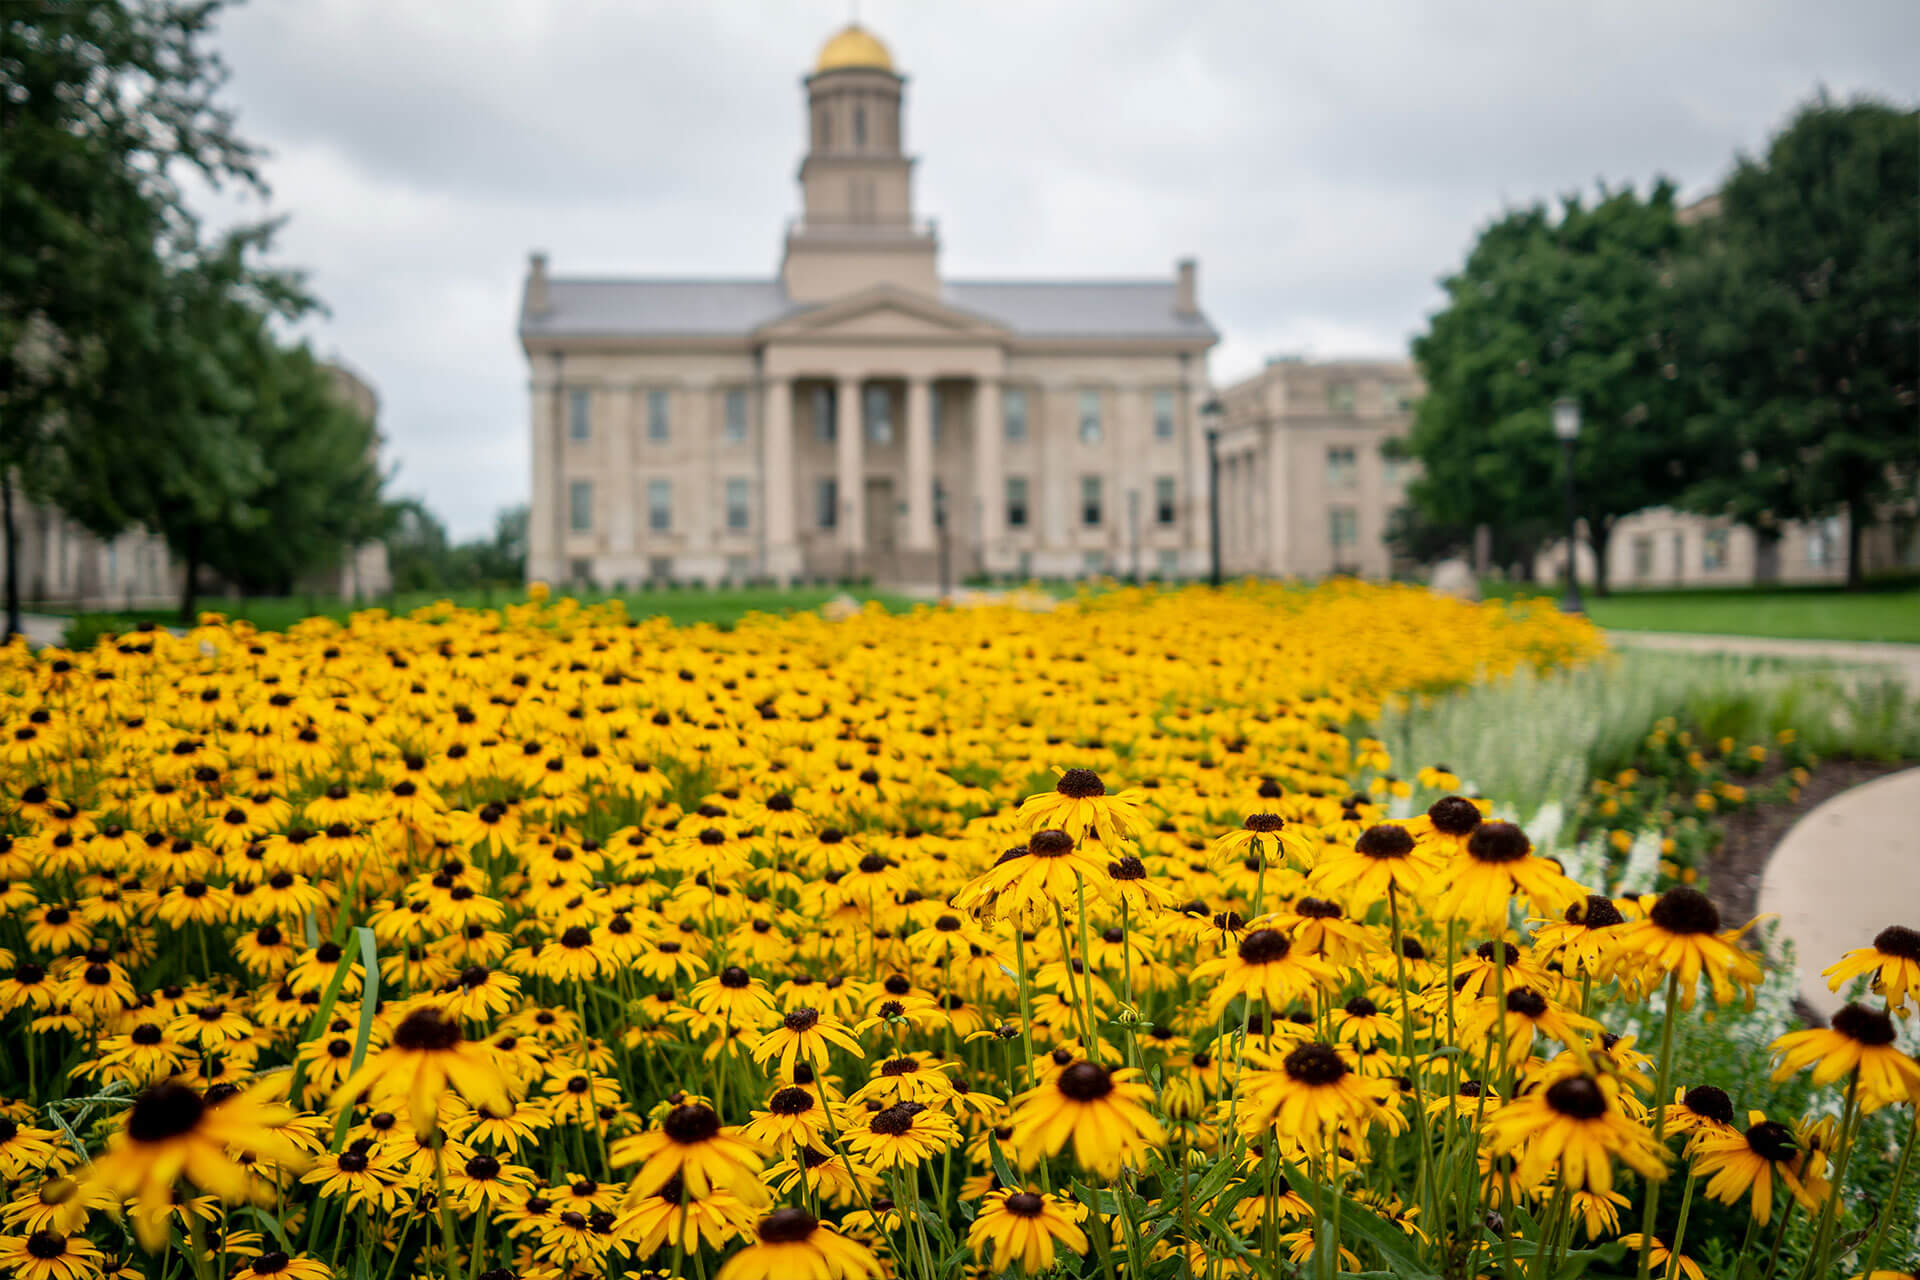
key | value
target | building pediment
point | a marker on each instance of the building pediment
(881, 313)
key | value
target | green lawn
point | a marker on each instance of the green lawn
(683, 605)
(1799, 613)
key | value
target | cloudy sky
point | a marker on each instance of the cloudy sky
(1327, 162)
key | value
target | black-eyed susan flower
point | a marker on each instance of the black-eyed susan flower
(428, 1055)
(672, 1218)
(1893, 961)
(1026, 1228)
(1080, 805)
(1574, 1127)
(1737, 1164)
(1264, 966)
(1497, 864)
(1102, 1111)
(1384, 858)
(805, 1034)
(50, 1255)
(903, 1135)
(792, 1242)
(1859, 1039)
(1028, 882)
(173, 1134)
(1309, 1093)
(1680, 936)
(691, 1143)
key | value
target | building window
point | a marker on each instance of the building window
(1340, 397)
(879, 406)
(736, 428)
(1016, 502)
(736, 503)
(1090, 427)
(580, 506)
(1643, 556)
(1823, 542)
(580, 570)
(1713, 550)
(657, 425)
(660, 569)
(1679, 555)
(859, 125)
(1394, 468)
(1013, 412)
(823, 414)
(1093, 563)
(660, 505)
(1343, 469)
(1090, 501)
(1163, 414)
(1163, 500)
(1394, 398)
(579, 420)
(826, 502)
(935, 414)
(1343, 527)
(1166, 563)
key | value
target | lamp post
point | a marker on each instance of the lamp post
(1566, 428)
(946, 544)
(1211, 416)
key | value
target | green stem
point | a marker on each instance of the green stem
(1649, 1215)
(1830, 1211)
(1891, 1205)
(1680, 1229)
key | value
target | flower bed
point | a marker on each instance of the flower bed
(544, 943)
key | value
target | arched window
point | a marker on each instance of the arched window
(825, 130)
(859, 125)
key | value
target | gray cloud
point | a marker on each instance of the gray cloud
(1327, 164)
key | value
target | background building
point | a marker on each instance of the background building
(1305, 487)
(843, 417)
(63, 566)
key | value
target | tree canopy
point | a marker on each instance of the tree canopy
(1805, 333)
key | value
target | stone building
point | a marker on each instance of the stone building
(1306, 486)
(62, 566)
(851, 414)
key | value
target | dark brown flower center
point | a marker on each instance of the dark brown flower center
(1579, 1097)
(1864, 1026)
(1085, 1082)
(1453, 815)
(1050, 844)
(801, 1020)
(896, 1119)
(1025, 1204)
(1080, 784)
(46, 1245)
(691, 1124)
(1526, 1002)
(1265, 823)
(786, 1226)
(791, 1102)
(1711, 1102)
(1265, 946)
(1497, 842)
(1595, 912)
(1898, 940)
(426, 1030)
(165, 1111)
(1686, 910)
(1384, 841)
(1771, 1140)
(1315, 1064)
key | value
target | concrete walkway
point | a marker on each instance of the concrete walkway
(1845, 871)
(1901, 658)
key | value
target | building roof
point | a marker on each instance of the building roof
(853, 46)
(705, 308)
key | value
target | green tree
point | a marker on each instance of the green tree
(419, 557)
(1806, 324)
(1575, 304)
(104, 103)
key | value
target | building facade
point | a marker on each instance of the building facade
(1307, 486)
(858, 414)
(63, 566)
(1666, 548)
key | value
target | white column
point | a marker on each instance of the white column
(614, 487)
(919, 465)
(852, 479)
(689, 429)
(776, 480)
(989, 487)
(543, 530)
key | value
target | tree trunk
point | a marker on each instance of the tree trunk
(1856, 528)
(1599, 534)
(13, 556)
(191, 585)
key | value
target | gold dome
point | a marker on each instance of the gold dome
(854, 46)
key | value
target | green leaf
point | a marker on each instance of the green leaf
(1387, 1240)
(369, 996)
